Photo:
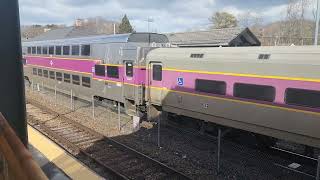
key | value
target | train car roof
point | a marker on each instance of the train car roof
(269, 54)
(102, 39)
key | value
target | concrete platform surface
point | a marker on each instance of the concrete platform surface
(55, 161)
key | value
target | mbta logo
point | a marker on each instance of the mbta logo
(180, 81)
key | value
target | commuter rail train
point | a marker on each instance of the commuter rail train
(273, 91)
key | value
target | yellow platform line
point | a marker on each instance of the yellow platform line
(71, 167)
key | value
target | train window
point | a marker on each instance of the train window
(52, 75)
(34, 50)
(24, 61)
(253, 91)
(29, 50)
(303, 97)
(75, 50)
(100, 70)
(75, 79)
(66, 78)
(196, 55)
(209, 86)
(86, 82)
(66, 50)
(157, 72)
(85, 50)
(39, 50)
(264, 56)
(34, 71)
(58, 50)
(59, 76)
(39, 72)
(113, 71)
(51, 49)
(45, 50)
(129, 69)
(45, 73)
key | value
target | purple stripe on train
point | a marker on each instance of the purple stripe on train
(87, 66)
(170, 81)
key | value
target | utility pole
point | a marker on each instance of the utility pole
(149, 20)
(316, 33)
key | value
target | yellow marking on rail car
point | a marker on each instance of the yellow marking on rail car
(68, 164)
(245, 75)
(64, 58)
(238, 101)
(59, 69)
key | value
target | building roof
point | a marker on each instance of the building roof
(215, 37)
(67, 32)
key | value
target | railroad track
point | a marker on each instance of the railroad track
(114, 159)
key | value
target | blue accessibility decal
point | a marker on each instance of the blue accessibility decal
(180, 81)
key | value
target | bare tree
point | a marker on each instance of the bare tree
(223, 20)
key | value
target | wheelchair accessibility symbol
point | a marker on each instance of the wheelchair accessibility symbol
(180, 81)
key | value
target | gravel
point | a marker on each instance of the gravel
(193, 156)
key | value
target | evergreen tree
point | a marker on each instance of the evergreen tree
(125, 26)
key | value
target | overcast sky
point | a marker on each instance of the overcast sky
(168, 15)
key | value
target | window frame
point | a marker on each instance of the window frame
(111, 70)
(40, 72)
(51, 50)
(39, 50)
(77, 50)
(45, 73)
(34, 50)
(153, 73)
(58, 50)
(296, 104)
(29, 50)
(130, 75)
(66, 80)
(216, 91)
(83, 50)
(84, 83)
(263, 98)
(52, 73)
(75, 82)
(34, 71)
(45, 50)
(101, 74)
(64, 51)
(60, 77)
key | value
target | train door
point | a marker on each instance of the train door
(155, 82)
(129, 91)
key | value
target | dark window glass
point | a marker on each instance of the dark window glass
(29, 50)
(196, 55)
(59, 76)
(66, 78)
(157, 72)
(100, 70)
(85, 50)
(24, 61)
(39, 72)
(113, 71)
(58, 50)
(34, 50)
(129, 69)
(253, 91)
(66, 50)
(52, 75)
(34, 71)
(75, 50)
(303, 97)
(45, 73)
(39, 50)
(86, 82)
(51, 49)
(209, 86)
(45, 50)
(75, 79)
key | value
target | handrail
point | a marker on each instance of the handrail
(19, 159)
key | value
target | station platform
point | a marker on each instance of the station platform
(55, 161)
